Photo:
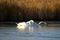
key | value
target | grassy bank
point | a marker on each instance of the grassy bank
(23, 10)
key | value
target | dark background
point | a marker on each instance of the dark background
(23, 10)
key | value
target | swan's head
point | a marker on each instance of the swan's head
(31, 21)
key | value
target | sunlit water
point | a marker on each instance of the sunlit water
(11, 32)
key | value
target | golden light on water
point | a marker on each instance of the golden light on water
(31, 29)
(20, 27)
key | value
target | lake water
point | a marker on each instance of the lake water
(11, 32)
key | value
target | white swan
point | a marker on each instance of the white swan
(30, 23)
(23, 25)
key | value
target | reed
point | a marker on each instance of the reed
(22, 10)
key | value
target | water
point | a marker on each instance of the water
(11, 32)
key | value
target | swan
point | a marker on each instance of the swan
(30, 23)
(24, 24)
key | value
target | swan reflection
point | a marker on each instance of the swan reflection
(20, 28)
(31, 29)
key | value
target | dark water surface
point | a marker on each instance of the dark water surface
(11, 32)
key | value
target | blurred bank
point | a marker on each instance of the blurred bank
(23, 10)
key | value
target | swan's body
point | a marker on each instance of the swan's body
(21, 25)
(30, 23)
